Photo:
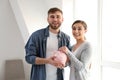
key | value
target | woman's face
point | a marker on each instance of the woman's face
(78, 31)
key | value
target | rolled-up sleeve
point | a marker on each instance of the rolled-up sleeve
(31, 51)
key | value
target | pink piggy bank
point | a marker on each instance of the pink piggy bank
(60, 56)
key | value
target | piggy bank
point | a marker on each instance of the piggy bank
(60, 56)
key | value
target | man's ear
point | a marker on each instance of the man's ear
(63, 19)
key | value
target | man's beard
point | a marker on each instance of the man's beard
(54, 27)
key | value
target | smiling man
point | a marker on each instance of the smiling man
(42, 43)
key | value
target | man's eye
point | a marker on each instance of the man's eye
(52, 16)
(58, 17)
(79, 28)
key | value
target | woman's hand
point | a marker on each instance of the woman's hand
(64, 49)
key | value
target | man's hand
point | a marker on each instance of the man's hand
(52, 61)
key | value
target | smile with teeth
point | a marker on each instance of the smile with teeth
(76, 35)
(55, 23)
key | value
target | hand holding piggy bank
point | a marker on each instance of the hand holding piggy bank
(60, 56)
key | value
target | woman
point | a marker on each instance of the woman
(80, 55)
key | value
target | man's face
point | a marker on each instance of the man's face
(55, 20)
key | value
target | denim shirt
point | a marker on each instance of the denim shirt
(36, 47)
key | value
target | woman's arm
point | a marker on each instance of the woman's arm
(82, 57)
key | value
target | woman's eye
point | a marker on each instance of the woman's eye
(74, 28)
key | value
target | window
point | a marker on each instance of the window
(110, 40)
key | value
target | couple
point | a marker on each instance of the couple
(43, 42)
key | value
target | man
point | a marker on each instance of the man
(42, 43)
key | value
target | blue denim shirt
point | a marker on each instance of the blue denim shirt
(36, 47)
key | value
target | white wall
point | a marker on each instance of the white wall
(11, 41)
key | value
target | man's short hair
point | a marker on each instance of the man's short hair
(53, 10)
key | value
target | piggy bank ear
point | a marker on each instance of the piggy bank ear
(54, 53)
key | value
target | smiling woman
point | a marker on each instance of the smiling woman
(79, 58)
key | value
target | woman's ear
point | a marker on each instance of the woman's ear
(85, 31)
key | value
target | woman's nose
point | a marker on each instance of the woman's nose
(76, 30)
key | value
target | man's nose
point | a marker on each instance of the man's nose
(55, 19)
